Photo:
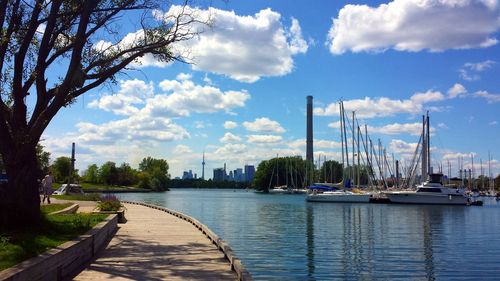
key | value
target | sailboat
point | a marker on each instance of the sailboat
(345, 193)
(432, 190)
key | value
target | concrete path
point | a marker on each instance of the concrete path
(154, 245)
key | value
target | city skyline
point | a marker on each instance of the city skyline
(244, 98)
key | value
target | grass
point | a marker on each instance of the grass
(97, 186)
(47, 209)
(79, 197)
(54, 230)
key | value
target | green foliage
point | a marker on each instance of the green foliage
(154, 174)
(61, 169)
(91, 174)
(79, 197)
(293, 171)
(127, 175)
(497, 182)
(109, 203)
(43, 158)
(108, 173)
(53, 231)
(331, 171)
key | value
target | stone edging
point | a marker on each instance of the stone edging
(222, 245)
(69, 210)
(61, 262)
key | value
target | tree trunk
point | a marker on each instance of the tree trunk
(19, 198)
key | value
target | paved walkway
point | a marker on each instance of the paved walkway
(154, 245)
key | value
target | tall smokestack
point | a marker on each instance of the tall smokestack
(309, 138)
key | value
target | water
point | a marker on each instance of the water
(282, 237)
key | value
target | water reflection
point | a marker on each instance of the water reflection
(368, 242)
(285, 238)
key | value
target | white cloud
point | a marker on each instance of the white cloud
(135, 128)
(493, 123)
(183, 76)
(230, 125)
(231, 148)
(402, 147)
(228, 137)
(297, 43)
(265, 125)
(130, 41)
(320, 144)
(184, 97)
(490, 98)
(415, 25)
(182, 149)
(382, 107)
(469, 71)
(458, 90)
(263, 138)
(244, 48)
(480, 66)
(131, 92)
(414, 129)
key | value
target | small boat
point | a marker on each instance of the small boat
(283, 189)
(339, 196)
(430, 192)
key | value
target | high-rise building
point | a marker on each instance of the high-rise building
(249, 172)
(238, 175)
(187, 175)
(219, 174)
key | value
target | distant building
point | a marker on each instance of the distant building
(238, 175)
(249, 172)
(219, 174)
(230, 177)
(187, 175)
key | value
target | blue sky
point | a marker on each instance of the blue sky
(243, 100)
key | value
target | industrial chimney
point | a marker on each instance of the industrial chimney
(309, 137)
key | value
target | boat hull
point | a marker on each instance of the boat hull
(431, 199)
(339, 198)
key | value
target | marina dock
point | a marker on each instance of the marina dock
(154, 245)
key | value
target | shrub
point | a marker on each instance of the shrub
(109, 203)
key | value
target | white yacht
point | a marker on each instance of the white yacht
(339, 196)
(280, 190)
(430, 192)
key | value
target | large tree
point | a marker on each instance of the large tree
(46, 38)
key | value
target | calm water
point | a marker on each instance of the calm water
(282, 237)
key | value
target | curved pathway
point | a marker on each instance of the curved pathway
(154, 245)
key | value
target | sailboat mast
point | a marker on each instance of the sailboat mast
(342, 138)
(489, 170)
(345, 137)
(357, 170)
(424, 153)
(353, 151)
(428, 145)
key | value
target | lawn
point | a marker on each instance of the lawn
(54, 230)
(79, 197)
(47, 209)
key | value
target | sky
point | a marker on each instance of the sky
(242, 99)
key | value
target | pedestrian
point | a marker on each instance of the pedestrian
(47, 187)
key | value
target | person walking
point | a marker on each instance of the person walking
(47, 187)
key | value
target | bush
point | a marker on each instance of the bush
(109, 203)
